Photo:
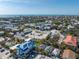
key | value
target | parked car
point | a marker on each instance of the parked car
(2, 50)
(6, 53)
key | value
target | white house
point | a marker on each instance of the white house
(56, 52)
(42, 57)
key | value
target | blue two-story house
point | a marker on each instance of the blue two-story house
(25, 47)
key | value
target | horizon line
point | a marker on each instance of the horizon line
(39, 15)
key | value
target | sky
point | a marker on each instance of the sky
(39, 7)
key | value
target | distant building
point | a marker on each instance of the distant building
(70, 41)
(1, 33)
(37, 34)
(70, 27)
(2, 39)
(42, 46)
(19, 36)
(68, 54)
(48, 49)
(27, 31)
(43, 26)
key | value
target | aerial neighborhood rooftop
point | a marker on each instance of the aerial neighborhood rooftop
(39, 37)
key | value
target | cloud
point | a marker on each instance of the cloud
(16, 1)
(26, 1)
(22, 1)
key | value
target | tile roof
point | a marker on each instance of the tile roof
(71, 41)
(68, 54)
